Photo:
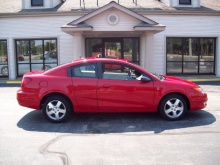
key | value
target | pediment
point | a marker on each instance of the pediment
(107, 17)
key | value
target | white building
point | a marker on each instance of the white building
(173, 37)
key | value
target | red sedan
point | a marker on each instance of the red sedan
(90, 85)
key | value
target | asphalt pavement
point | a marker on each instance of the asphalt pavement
(26, 138)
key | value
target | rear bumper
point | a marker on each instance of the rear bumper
(29, 100)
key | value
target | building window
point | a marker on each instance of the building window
(3, 59)
(190, 55)
(185, 2)
(37, 3)
(35, 54)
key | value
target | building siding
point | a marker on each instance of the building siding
(126, 22)
(49, 27)
(184, 26)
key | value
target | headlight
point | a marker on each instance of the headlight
(198, 89)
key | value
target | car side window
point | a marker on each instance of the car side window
(114, 71)
(85, 71)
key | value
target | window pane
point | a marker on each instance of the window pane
(86, 71)
(113, 49)
(23, 52)
(93, 47)
(186, 2)
(36, 2)
(3, 58)
(206, 67)
(50, 54)
(36, 51)
(190, 67)
(191, 49)
(207, 49)
(114, 71)
(174, 67)
(36, 67)
(174, 49)
(22, 68)
(131, 50)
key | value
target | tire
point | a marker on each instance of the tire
(56, 109)
(4, 70)
(173, 107)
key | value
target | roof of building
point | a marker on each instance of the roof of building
(15, 6)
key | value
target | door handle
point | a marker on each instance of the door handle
(106, 85)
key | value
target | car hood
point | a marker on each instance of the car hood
(179, 80)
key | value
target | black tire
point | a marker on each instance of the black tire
(56, 109)
(173, 107)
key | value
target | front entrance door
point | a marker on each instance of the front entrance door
(123, 48)
(112, 48)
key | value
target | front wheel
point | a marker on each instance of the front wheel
(173, 107)
(56, 109)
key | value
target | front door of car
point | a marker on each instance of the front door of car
(84, 82)
(120, 90)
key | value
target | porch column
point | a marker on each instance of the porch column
(142, 50)
(149, 57)
(78, 45)
(217, 62)
(11, 60)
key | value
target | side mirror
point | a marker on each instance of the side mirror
(145, 79)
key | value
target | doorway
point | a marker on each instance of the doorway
(122, 48)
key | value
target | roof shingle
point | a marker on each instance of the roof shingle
(15, 6)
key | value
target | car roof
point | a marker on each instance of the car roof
(81, 61)
(100, 60)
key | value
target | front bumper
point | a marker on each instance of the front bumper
(198, 101)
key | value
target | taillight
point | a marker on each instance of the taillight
(25, 81)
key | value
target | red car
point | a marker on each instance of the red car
(90, 85)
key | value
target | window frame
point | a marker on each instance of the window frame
(198, 61)
(37, 5)
(183, 2)
(29, 61)
(5, 64)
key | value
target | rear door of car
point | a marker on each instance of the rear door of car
(119, 89)
(84, 86)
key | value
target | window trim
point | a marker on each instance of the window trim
(36, 5)
(185, 3)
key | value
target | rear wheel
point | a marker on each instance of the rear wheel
(56, 109)
(173, 107)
